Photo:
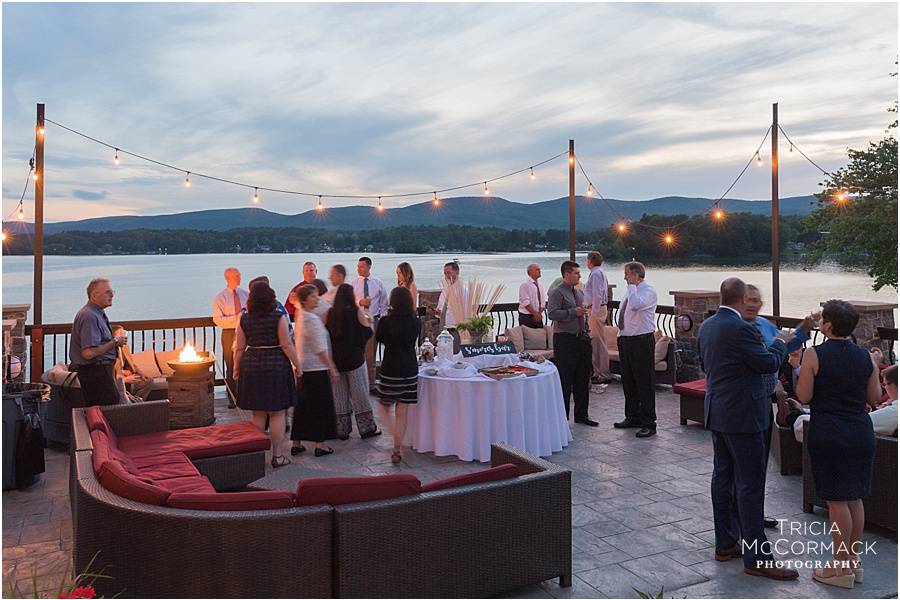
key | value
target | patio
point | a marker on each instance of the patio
(641, 515)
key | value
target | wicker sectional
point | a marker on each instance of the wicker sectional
(478, 540)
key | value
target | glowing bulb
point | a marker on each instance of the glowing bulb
(187, 179)
(571, 160)
(791, 149)
(531, 171)
(758, 159)
(842, 196)
(21, 214)
(668, 239)
(255, 195)
(436, 201)
(4, 236)
(380, 205)
(40, 130)
(319, 206)
(622, 227)
(487, 192)
(590, 190)
(116, 157)
(34, 176)
(718, 214)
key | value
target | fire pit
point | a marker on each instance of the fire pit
(191, 363)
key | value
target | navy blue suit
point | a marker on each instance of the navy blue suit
(738, 411)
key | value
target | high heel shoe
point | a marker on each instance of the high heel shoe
(396, 457)
(280, 461)
(857, 569)
(840, 579)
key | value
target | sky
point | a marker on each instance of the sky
(661, 99)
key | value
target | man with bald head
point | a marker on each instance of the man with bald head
(737, 411)
(532, 299)
(227, 307)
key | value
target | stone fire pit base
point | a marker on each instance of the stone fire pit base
(191, 400)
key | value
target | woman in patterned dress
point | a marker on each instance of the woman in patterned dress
(264, 361)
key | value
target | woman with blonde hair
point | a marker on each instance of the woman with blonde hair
(407, 279)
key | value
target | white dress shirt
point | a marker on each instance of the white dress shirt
(884, 420)
(450, 320)
(531, 293)
(377, 294)
(640, 310)
(596, 290)
(223, 308)
(310, 339)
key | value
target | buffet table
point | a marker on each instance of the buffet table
(464, 415)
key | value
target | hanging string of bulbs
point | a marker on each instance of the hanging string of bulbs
(319, 196)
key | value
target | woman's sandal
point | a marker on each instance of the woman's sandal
(396, 457)
(839, 579)
(295, 450)
(280, 461)
(857, 568)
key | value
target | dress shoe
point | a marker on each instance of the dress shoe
(626, 424)
(369, 434)
(587, 421)
(295, 450)
(646, 432)
(728, 554)
(324, 452)
(770, 523)
(773, 572)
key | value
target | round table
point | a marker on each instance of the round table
(463, 417)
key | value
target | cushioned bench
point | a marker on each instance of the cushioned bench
(692, 394)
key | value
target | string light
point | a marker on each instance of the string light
(4, 236)
(436, 201)
(34, 176)
(187, 179)
(380, 205)
(668, 238)
(487, 192)
(621, 227)
(718, 214)
(791, 149)
(758, 158)
(20, 215)
(319, 206)
(531, 172)
(116, 157)
(40, 130)
(255, 195)
(590, 190)
(841, 197)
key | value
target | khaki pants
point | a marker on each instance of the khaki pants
(600, 354)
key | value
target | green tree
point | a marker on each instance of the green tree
(857, 211)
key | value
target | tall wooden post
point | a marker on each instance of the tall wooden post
(776, 256)
(37, 331)
(572, 200)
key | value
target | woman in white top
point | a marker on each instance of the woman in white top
(314, 417)
(406, 278)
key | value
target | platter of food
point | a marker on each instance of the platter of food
(507, 372)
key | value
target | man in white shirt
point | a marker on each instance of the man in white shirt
(336, 276)
(227, 307)
(372, 298)
(448, 319)
(532, 299)
(596, 295)
(636, 342)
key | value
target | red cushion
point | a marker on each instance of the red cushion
(198, 442)
(348, 490)
(117, 480)
(104, 451)
(180, 485)
(165, 466)
(692, 389)
(261, 500)
(507, 471)
(96, 420)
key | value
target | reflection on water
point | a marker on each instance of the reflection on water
(156, 287)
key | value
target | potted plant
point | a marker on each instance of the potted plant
(477, 327)
(471, 306)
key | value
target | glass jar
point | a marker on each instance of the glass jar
(426, 351)
(445, 345)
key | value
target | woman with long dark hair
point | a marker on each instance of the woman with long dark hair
(407, 279)
(837, 379)
(349, 334)
(264, 363)
(399, 382)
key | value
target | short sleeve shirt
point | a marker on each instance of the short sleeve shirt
(90, 329)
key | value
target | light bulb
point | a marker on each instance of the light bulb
(116, 157)
(436, 201)
(40, 130)
(320, 207)
(668, 239)
(4, 236)
(255, 195)
(187, 179)
(21, 214)
(571, 160)
(842, 196)
(791, 149)
(718, 214)
(622, 227)
(590, 190)
(380, 205)
(758, 159)
(34, 176)
(487, 192)
(531, 170)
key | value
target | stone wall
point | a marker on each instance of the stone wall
(696, 304)
(17, 342)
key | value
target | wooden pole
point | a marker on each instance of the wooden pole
(776, 257)
(572, 200)
(37, 331)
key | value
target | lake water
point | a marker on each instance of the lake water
(158, 287)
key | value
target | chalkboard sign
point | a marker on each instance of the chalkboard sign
(492, 348)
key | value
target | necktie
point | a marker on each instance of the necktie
(366, 287)
(539, 294)
(237, 304)
(621, 320)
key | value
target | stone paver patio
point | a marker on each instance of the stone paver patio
(641, 515)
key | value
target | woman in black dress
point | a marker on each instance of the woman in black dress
(264, 363)
(837, 379)
(399, 383)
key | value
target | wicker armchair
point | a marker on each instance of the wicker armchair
(881, 506)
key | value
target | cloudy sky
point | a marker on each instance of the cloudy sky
(662, 99)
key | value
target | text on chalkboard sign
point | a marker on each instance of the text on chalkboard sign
(492, 348)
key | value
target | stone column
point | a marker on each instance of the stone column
(17, 346)
(696, 304)
(873, 315)
(429, 299)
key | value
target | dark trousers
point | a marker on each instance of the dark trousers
(98, 383)
(738, 491)
(638, 377)
(572, 357)
(527, 320)
(228, 356)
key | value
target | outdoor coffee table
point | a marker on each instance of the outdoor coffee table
(463, 417)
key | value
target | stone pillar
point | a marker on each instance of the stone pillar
(696, 304)
(17, 346)
(873, 315)
(430, 322)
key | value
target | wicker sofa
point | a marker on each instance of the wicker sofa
(881, 506)
(440, 543)
(664, 354)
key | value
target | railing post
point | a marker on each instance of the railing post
(696, 305)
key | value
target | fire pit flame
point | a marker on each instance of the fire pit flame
(189, 355)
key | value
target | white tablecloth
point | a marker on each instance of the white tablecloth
(463, 417)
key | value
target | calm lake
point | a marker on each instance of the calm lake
(157, 287)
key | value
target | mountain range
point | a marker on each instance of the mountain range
(478, 211)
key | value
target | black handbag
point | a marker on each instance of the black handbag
(29, 449)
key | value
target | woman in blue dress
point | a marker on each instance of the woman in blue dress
(837, 379)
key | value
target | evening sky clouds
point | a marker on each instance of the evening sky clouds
(662, 99)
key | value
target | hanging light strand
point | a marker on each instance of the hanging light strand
(794, 146)
(257, 188)
(20, 206)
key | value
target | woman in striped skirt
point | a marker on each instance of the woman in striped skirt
(399, 382)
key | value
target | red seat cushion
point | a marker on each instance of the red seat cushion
(104, 450)
(96, 420)
(198, 442)
(182, 485)
(692, 389)
(165, 466)
(349, 490)
(258, 500)
(117, 480)
(507, 471)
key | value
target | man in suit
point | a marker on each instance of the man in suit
(737, 411)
